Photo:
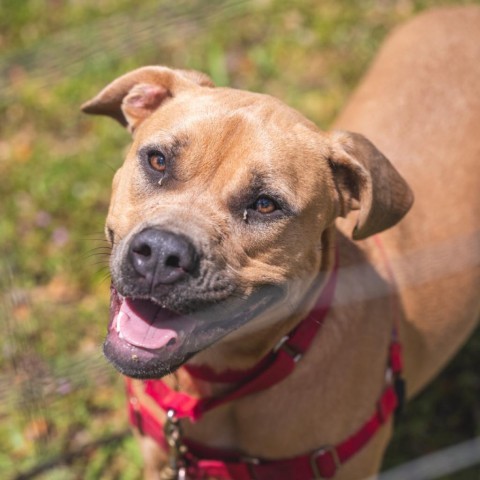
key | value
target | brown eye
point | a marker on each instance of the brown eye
(157, 161)
(265, 205)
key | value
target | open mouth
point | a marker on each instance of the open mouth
(141, 323)
(146, 340)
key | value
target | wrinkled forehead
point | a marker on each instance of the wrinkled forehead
(224, 130)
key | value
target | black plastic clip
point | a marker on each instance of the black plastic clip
(400, 390)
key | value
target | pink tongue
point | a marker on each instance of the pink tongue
(139, 323)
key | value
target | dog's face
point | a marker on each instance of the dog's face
(218, 213)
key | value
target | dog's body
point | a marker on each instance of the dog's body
(424, 109)
(420, 104)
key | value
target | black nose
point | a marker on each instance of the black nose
(162, 257)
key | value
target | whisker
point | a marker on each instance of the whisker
(101, 264)
(105, 278)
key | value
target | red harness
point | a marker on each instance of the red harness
(197, 461)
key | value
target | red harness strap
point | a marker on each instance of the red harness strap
(203, 462)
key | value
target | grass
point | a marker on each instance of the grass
(61, 405)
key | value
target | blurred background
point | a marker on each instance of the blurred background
(62, 412)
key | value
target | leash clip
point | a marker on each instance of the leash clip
(172, 430)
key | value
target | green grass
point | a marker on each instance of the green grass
(57, 395)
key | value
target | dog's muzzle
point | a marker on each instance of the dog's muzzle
(166, 305)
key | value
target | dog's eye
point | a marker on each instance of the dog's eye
(264, 205)
(157, 160)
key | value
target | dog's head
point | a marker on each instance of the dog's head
(219, 213)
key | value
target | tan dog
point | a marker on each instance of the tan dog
(223, 226)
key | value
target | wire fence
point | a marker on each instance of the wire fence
(46, 63)
(68, 52)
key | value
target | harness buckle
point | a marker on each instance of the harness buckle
(327, 449)
(282, 344)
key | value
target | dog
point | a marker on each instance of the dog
(235, 224)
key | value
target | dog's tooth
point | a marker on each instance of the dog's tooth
(117, 326)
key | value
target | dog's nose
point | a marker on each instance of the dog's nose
(162, 257)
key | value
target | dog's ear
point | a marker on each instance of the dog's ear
(133, 97)
(366, 181)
